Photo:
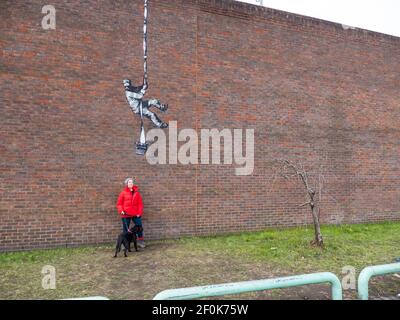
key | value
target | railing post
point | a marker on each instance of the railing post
(256, 285)
(368, 272)
(89, 298)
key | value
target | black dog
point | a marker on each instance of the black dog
(126, 238)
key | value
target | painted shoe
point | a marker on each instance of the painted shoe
(164, 107)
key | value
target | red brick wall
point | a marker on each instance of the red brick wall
(313, 92)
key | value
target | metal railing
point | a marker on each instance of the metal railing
(89, 298)
(276, 283)
(256, 285)
(368, 272)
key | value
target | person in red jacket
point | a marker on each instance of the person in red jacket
(130, 208)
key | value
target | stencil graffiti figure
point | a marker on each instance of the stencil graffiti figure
(134, 95)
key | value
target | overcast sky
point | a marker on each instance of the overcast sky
(376, 15)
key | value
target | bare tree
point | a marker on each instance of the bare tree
(313, 189)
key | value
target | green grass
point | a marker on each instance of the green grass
(165, 264)
(45, 255)
(354, 245)
(21, 277)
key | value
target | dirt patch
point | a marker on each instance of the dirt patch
(160, 266)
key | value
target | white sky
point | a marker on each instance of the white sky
(376, 15)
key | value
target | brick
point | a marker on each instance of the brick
(312, 91)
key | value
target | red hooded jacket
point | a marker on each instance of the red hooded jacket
(130, 202)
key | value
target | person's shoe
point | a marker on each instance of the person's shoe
(141, 244)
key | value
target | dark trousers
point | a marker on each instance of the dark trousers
(137, 222)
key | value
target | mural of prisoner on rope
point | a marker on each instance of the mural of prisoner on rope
(135, 94)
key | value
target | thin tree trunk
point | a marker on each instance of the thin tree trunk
(318, 236)
(302, 174)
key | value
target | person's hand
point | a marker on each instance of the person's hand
(122, 212)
